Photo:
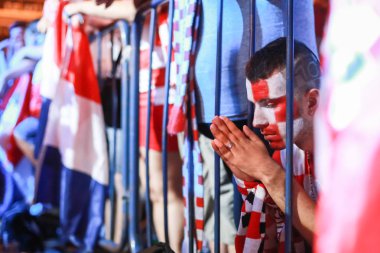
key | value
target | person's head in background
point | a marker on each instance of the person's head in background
(266, 71)
(16, 36)
(32, 36)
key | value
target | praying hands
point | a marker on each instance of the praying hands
(242, 151)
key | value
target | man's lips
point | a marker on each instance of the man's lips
(271, 133)
(272, 137)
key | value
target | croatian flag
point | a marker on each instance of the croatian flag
(74, 170)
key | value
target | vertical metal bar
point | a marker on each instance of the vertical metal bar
(289, 127)
(251, 106)
(165, 121)
(125, 98)
(134, 138)
(99, 59)
(190, 190)
(148, 206)
(253, 28)
(114, 141)
(217, 112)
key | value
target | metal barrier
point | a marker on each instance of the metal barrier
(217, 113)
(130, 126)
(289, 128)
(124, 29)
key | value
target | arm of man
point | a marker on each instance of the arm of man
(123, 9)
(33, 53)
(24, 66)
(249, 160)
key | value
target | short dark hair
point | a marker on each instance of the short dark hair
(15, 24)
(272, 58)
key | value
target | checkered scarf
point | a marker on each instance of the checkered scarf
(261, 227)
(186, 23)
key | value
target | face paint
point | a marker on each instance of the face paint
(269, 96)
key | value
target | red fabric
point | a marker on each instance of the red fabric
(157, 114)
(16, 110)
(320, 14)
(60, 31)
(79, 73)
(35, 101)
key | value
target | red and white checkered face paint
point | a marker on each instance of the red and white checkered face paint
(269, 96)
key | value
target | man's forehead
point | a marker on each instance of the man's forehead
(273, 87)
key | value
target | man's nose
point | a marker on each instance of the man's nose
(259, 119)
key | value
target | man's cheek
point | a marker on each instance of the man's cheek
(270, 115)
(280, 112)
(278, 142)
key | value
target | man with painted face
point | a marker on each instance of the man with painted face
(261, 178)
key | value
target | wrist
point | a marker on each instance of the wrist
(272, 174)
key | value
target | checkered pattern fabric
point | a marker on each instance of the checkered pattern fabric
(261, 227)
(186, 23)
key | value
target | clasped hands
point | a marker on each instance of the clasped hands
(242, 151)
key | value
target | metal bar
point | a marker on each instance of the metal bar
(114, 141)
(134, 138)
(253, 28)
(109, 29)
(165, 122)
(289, 127)
(148, 206)
(251, 106)
(217, 112)
(125, 98)
(153, 4)
(190, 190)
(99, 59)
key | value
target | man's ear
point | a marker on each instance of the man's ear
(312, 97)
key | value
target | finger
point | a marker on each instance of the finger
(225, 158)
(222, 148)
(250, 134)
(233, 128)
(222, 151)
(222, 127)
(220, 136)
(216, 148)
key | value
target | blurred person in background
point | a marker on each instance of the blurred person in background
(9, 48)
(25, 58)
(18, 122)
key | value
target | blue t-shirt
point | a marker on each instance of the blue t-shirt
(270, 20)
